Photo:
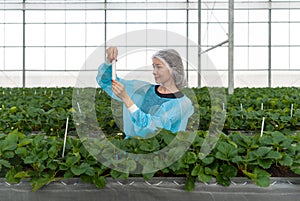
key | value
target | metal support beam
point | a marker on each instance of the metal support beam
(230, 47)
(199, 44)
(270, 49)
(23, 49)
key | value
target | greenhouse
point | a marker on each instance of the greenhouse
(152, 100)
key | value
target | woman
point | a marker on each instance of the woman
(148, 107)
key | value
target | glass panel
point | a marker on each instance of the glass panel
(219, 57)
(135, 27)
(280, 58)
(193, 33)
(176, 15)
(251, 78)
(258, 34)
(55, 58)
(75, 16)
(116, 16)
(214, 16)
(136, 16)
(13, 16)
(55, 34)
(95, 16)
(280, 34)
(258, 57)
(11, 79)
(294, 15)
(2, 34)
(114, 30)
(2, 64)
(241, 34)
(35, 34)
(177, 28)
(95, 34)
(156, 16)
(295, 33)
(55, 16)
(241, 15)
(35, 58)
(241, 58)
(280, 15)
(258, 15)
(75, 58)
(13, 34)
(193, 15)
(13, 58)
(75, 34)
(285, 78)
(35, 16)
(157, 26)
(136, 61)
(51, 79)
(294, 58)
(215, 34)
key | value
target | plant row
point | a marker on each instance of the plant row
(33, 110)
(40, 158)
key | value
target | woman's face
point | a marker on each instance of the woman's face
(160, 71)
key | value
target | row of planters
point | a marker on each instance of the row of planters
(33, 122)
(39, 158)
(46, 109)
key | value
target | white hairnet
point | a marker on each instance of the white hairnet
(173, 60)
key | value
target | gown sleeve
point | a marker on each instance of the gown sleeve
(104, 78)
(172, 115)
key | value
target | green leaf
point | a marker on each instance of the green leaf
(4, 163)
(196, 170)
(262, 177)
(21, 151)
(262, 151)
(72, 160)
(118, 175)
(149, 176)
(202, 176)
(278, 137)
(149, 146)
(226, 151)
(296, 168)
(22, 175)
(8, 145)
(8, 154)
(265, 163)
(228, 170)
(78, 170)
(68, 174)
(42, 156)
(53, 152)
(39, 182)
(225, 181)
(10, 176)
(52, 165)
(286, 160)
(12, 137)
(168, 137)
(208, 160)
(190, 157)
(23, 142)
(273, 155)
(189, 183)
(100, 182)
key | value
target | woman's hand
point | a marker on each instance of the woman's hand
(111, 54)
(120, 91)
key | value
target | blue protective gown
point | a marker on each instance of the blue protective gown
(155, 110)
